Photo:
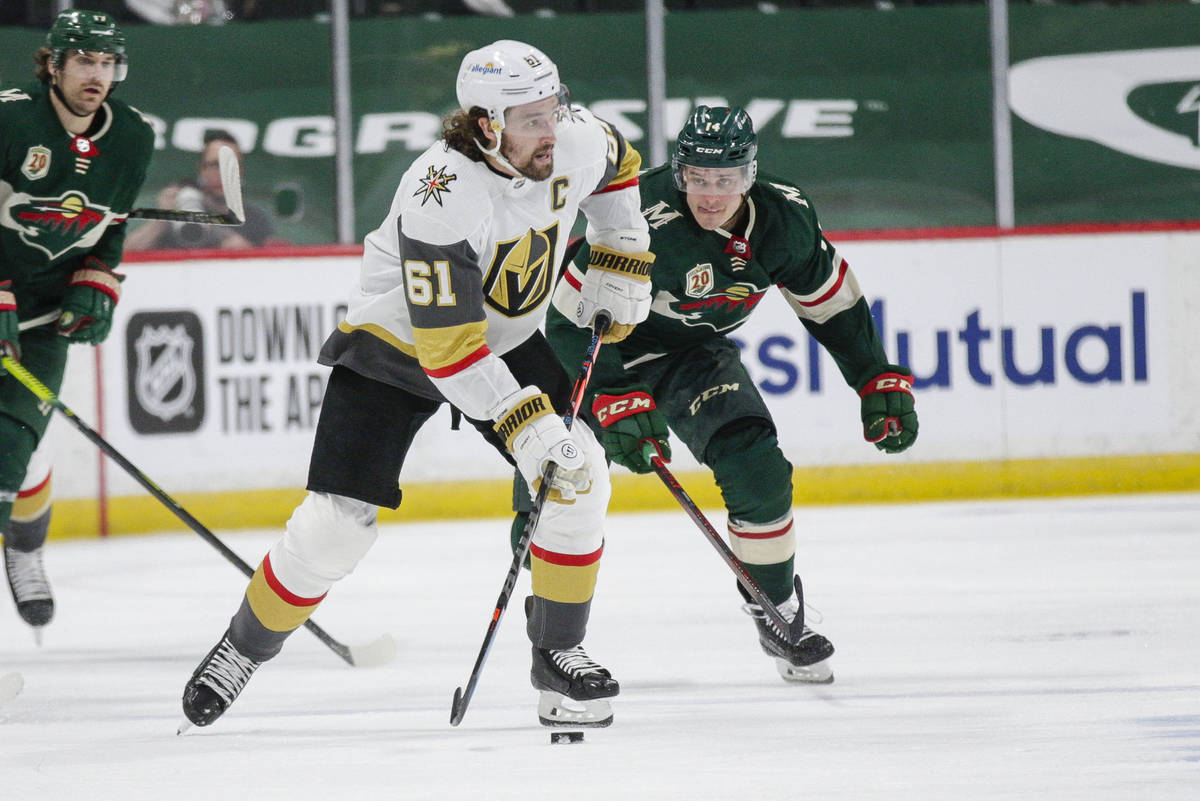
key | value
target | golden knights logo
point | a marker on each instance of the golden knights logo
(521, 272)
(55, 225)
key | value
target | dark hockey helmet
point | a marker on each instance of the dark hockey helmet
(717, 138)
(87, 30)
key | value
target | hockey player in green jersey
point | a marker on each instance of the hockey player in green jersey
(72, 161)
(724, 236)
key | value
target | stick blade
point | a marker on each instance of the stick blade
(457, 707)
(231, 182)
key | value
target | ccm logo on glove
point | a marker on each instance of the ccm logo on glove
(890, 383)
(611, 408)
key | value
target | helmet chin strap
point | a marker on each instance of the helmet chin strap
(494, 152)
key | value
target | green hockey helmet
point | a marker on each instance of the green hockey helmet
(92, 31)
(720, 146)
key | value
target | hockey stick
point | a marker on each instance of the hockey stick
(375, 653)
(792, 630)
(231, 186)
(462, 697)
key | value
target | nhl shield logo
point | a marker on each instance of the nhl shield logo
(165, 357)
(699, 281)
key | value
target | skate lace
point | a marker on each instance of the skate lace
(575, 661)
(27, 575)
(228, 671)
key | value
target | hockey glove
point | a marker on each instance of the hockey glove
(536, 436)
(10, 326)
(87, 306)
(889, 419)
(619, 283)
(629, 418)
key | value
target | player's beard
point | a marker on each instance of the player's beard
(531, 170)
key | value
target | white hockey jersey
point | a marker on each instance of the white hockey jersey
(462, 269)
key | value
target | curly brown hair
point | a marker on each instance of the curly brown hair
(460, 131)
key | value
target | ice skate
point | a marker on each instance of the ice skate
(215, 684)
(806, 661)
(574, 689)
(30, 588)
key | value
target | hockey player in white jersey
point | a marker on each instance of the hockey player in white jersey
(453, 286)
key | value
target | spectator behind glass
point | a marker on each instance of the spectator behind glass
(203, 193)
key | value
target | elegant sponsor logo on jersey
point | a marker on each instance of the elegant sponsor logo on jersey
(521, 272)
(1143, 103)
(165, 370)
(55, 225)
(36, 163)
(435, 182)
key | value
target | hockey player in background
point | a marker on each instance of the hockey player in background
(724, 236)
(453, 287)
(72, 161)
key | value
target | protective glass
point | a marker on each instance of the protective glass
(714, 180)
(110, 67)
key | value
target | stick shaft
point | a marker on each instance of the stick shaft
(43, 393)
(693, 511)
(462, 696)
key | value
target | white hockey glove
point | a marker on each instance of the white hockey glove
(536, 436)
(618, 283)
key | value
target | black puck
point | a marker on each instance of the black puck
(566, 737)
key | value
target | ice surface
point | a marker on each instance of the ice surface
(1024, 650)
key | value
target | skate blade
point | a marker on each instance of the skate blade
(184, 725)
(557, 710)
(37, 636)
(816, 673)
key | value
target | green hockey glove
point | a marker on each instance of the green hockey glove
(889, 419)
(10, 326)
(629, 417)
(88, 304)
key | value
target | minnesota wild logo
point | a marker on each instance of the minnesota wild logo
(55, 225)
(719, 309)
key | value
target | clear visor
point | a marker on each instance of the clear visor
(714, 180)
(540, 118)
(110, 67)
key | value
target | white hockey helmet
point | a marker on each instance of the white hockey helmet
(503, 74)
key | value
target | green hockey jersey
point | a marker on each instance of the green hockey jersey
(707, 283)
(63, 197)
